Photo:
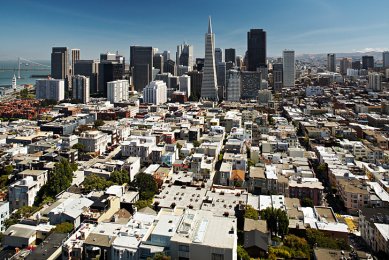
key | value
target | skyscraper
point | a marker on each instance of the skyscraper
(256, 49)
(170, 67)
(385, 59)
(88, 68)
(250, 84)
(59, 63)
(75, 57)
(141, 62)
(375, 81)
(331, 62)
(80, 89)
(344, 65)
(218, 55)
(289, 70)
(367, 62)
(209, 84)
(230, 55)
(184, 55)
(111, 68)
(158, 62)
(277, 76)
(233, 86)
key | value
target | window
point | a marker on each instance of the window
(217, 256)
(183, 248)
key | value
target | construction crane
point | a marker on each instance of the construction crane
(32, 62)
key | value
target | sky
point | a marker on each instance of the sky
(30, 28)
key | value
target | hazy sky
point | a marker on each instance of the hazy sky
(29, 28)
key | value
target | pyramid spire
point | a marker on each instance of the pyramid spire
(209, 25)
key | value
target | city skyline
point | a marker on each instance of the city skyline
(305, 26)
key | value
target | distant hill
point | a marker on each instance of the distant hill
(356, 55)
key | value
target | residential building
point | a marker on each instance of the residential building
(118, 91)
(155, 93)
(233, 85)
(94, 141)
(53, 89)
(4, 214)
(195, 237)
(375, 82)
(81, 88)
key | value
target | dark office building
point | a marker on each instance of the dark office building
(256, 49)
(109, 71)
(158, 62)
(88, 68)
(277, 76)
(196, 80)
(59, 63)
(356, 65)
(367, 62)
(199, 64)
(141, 57)
(170, 67)
(230, 55)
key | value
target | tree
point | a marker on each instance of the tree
(251, 213)
(146, 185)
(80, 147)
(119, 177)
(307, 202)
(58, 180)
(4, 181)
(242, 253)
(196, 143)
(24, 93)
(98, 123)
(318, 238)
(159, 256)
(140, 204)
(64, 227)
(9, 169)
(95, 182)
(277, 221)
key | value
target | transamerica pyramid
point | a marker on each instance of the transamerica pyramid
(209, 84)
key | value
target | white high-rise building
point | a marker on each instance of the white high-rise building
(155, 92)
(375, 81)
(209, 83)
(233, 86)
(289, 70)
(185, 84)
(53, 89)
(117, 91)
(81, 88)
